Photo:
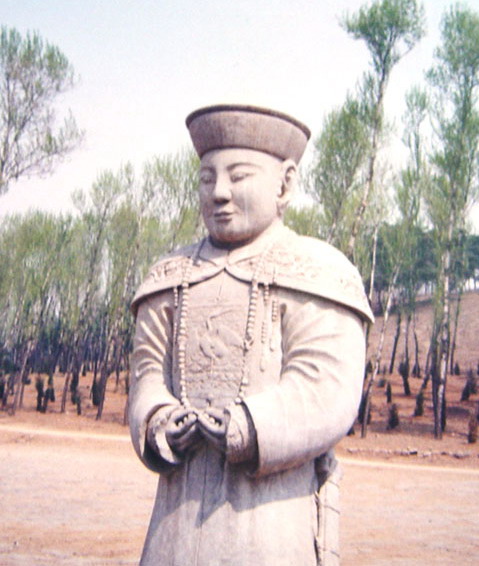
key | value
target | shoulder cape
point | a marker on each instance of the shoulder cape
(295, 262)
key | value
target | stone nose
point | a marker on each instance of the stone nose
(222, 190)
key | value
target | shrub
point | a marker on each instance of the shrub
(419, 409)
(472, 382)
(466, 392)
(39, 386)
(393, 420)
(470, 387)
(389, 393)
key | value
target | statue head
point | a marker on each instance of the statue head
(249, 160)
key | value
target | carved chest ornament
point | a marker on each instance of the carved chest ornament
(214, 339)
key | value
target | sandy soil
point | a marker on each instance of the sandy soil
(73, 492)
(83, 498)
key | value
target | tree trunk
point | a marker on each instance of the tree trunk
(395, 343)
(454, 332)
(405, 380)
(65, 392)
(103, 381)
(369, 184)
(377, 360)
(21, 376)
(126, 410)
(442, 349)
(407, 365)
(373, 265)
(104, 374)
(417, 364)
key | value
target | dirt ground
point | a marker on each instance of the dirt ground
(82, 498)
(72, 491)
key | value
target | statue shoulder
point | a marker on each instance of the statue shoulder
(314, 249)
(170, 266)
(166, 273)
(300, 258)
(314, 266)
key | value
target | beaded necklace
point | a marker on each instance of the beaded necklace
(248, 340)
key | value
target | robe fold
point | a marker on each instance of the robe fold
(304, 371)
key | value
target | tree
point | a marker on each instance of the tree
(97, 210)
(413, 178)
(33, 73)
(335, 179)
(66, 283)
(390, 29)
(28, 301)
(398, 243)
(173, 181)
(455, 168)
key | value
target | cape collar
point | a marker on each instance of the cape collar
(221, 256)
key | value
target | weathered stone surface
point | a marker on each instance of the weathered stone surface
(247, 369)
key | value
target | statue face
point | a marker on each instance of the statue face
(240, 193)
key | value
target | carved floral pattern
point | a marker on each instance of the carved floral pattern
(214, 351)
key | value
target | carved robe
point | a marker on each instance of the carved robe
(304, 372)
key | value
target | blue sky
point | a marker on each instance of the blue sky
(143, 65)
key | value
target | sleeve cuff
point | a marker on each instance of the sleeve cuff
(156, 438)
(241, 443)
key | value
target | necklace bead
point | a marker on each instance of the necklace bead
(182, 327)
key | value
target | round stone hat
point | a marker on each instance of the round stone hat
(239, 126)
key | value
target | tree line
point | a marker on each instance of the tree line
(66, 281)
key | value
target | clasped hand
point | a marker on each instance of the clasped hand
(186, 427)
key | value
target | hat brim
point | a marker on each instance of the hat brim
(250, 127)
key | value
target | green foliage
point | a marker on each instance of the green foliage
(420, 268)
(171, 182)
(404, 245)
(454, 80)
(457, 56)
(306, 221)
(33, 73)
(454, 186)
(390, 29)
(471, 269)
(33, 245)
(337, 172)
(66, 282)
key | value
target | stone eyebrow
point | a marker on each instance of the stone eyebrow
(229, 168)
(243, 164)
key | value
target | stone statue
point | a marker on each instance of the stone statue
(248, 363)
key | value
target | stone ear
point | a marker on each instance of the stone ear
(290, 172)
(288, 181)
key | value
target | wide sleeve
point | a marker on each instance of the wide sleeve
(151, 399)
(316, 399)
